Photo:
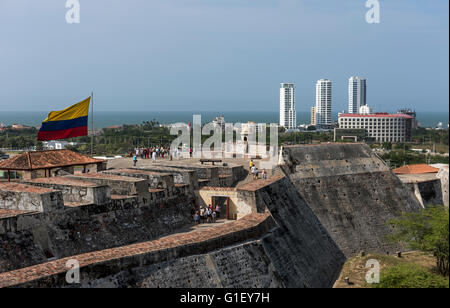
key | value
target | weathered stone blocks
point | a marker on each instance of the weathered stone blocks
(75, 191)
(23, 197)
(119, 185)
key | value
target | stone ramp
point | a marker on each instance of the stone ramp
(351, 191)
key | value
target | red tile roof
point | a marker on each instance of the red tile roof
(46, 160)
(416, 169)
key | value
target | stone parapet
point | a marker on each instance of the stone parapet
(23, 197)
(119, 185)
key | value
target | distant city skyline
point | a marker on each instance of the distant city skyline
(205, 55)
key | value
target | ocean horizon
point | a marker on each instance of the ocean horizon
(104, 119)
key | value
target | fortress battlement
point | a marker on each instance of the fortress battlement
(133, 226)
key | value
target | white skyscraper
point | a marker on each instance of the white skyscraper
(323, 102)
(288, 116)
(356, 94)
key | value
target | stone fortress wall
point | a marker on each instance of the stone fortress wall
(286, 249)
(351, 191)
(294, 230)
(443, 176)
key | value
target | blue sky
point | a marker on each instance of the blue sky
(221, 55)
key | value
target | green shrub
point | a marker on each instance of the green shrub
(410, 276)
(427, 231)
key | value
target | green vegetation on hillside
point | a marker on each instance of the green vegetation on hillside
(422, 135)
(427, 231)
(414, 269)
(398, 158)
(410, 276)
(121, 140)
(18, 139)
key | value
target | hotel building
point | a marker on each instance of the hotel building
(382, 127)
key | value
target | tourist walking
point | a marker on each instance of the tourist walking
(154, 156)
(264, 174)
(254, 172)
(209, 214)
(218, 209)
(134, 160)
(196, 218)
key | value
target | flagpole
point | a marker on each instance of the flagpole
(92, 122)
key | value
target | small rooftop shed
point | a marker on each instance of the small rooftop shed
(41, 163)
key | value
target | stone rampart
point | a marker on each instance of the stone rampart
(351, 191)
(119, 185)
(443, 176)
(155, 179)
(181, 176)
(287, 247)
(23, 197)
(138, 257)
(75, 191)
(81, 228)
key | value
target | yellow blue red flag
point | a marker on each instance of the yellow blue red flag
(68, 123)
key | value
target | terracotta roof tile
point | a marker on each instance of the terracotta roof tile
(46, 160)
(258, 184)
(416, 169)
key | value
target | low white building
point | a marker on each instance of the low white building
(57, 145)
(383, 127)
(366, 109)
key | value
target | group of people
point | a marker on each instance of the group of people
(206, 214)
(255, 172)
(147, 153)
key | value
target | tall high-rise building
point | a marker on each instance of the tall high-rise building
(313, 115)
(356, 94)
(323, 102)
(288, 116)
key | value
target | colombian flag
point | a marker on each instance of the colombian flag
(68, 123)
